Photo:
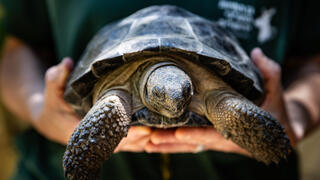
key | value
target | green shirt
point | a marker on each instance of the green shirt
(65, 27)
(278, 27)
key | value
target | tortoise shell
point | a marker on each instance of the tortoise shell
(163, 30)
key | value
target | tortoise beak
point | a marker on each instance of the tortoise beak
(168, 91)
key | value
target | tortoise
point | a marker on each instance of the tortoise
(165, 67)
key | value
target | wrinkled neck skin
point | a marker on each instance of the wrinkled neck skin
(214, 97)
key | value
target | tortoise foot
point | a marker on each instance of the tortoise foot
(96, 137)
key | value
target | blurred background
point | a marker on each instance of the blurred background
(309, 153)
(308, 149)
(9, 127)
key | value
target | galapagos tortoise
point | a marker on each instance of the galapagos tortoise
(165, 67)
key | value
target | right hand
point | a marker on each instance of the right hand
(274, 102)
(56, 120)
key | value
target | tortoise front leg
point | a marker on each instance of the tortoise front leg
(247, 125)
(97, 135)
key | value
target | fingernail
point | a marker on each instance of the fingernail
(140, 130)
(68, 63)
(51, 74)
(256, 54)
(180, 135)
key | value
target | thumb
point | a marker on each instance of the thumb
(57, 75)
(271, 72)
(269, 69)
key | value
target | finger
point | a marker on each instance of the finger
(159, 136)
(170, 148)
(198, 135)
(57, 76)
(271, 73)
(270, 70)
(210, 138)
(139, 131)
(64, 127)
(135, 134)
(136, 139)
(136, 145)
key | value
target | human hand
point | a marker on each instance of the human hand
(271, 73)
(136, 140)
(274, 101)
(191, 140)
(52, 116)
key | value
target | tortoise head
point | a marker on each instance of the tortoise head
(166, 89)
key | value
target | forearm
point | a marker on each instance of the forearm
(303, 99)
(21, 80)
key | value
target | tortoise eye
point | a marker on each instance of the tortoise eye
(187, 89)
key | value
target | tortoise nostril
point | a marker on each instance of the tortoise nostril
(186, 89)
(158, 92)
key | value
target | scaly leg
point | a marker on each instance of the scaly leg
(247, 125)
(98, 134)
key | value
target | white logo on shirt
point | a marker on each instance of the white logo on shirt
(237, 16)
(263, 23)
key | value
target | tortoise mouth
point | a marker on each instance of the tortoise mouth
(188, 119)
(166, 89)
